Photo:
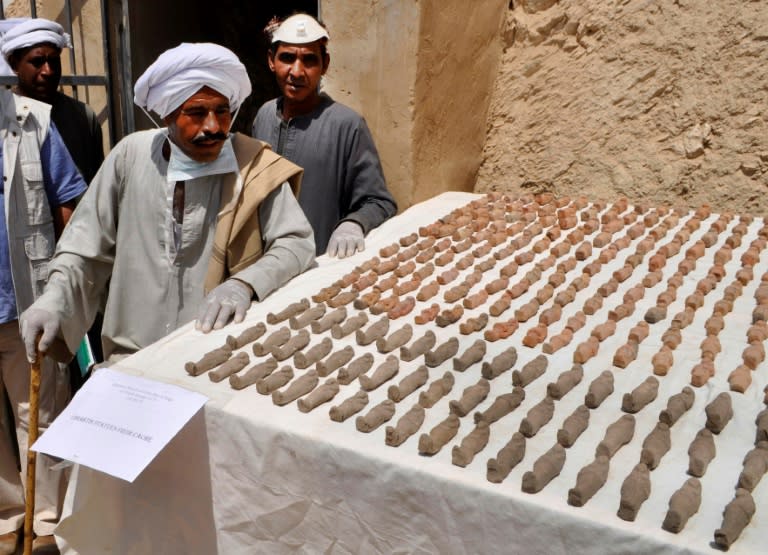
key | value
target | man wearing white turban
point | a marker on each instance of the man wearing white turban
(32, 48)
(184, 221)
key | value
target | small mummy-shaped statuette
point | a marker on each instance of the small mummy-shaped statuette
(351, 325)
(677, 405)
(719, 412)
(329, 320)
(436, 390)
(616, 436)
(736, 516)
(701, 451)
(589, 481)
(755, 466)
(375, 331)
(683, 504)
(418, 347)
(293, 309)
(635, 489)
(384, 372)
(408, 384)
(573, 426)
(641, 396)
(565, 382)
(210, 360)
(297, 388)
(500, 363)
(442, 353)
(274, 340)
(530, 371)
(471, 445)
(655, 445)
(275, 380)
(506, 459)
(406, 426)
(395, 340)
(334, 361)
(600, 388)
(761, 421)
(293, 345)
(315, 353)
(253, 374)
(349, 407)
(231, 366)
(537, 417)
(431, 443)
(357, 367)
(318, 396)
(501, 406)
(305, 318)
(472, 355)
(545, 469)
(248, 335)
(375, 417)
(470, 398)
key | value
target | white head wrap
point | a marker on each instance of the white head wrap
(299, 29)
(5, 26)
(31, 32)
(180, 72)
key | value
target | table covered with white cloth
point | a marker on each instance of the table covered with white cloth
(247, 476)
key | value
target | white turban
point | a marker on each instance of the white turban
(31, 32)
(5, 26)
(180, 72)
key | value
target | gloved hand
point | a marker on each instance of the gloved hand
(35, 321)
(346, 240)
(232, 296)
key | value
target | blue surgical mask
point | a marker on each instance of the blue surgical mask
(183, 168)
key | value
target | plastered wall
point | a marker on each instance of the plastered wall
(421, 72)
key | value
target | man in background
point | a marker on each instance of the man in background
(38, 190)
(343, 191)
(33, 48)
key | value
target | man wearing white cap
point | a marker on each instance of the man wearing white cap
(343, 192)
(32, 48)
(186, 221)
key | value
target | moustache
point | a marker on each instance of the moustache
(204, 137)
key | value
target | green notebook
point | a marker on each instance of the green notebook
(84, 356)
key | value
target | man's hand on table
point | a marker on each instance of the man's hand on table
(346, 240)
(231, 297)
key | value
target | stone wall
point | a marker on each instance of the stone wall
(660, 100)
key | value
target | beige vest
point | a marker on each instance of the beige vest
(237, 242)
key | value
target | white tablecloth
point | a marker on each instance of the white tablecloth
(246, 476)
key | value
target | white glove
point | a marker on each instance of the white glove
(346, 240)
(232, 296)
(35, 321)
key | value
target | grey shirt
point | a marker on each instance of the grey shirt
(343, 179)
(119, 233)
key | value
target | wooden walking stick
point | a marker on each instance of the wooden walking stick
(34, 410)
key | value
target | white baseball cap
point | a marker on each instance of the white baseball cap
(299, 29)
